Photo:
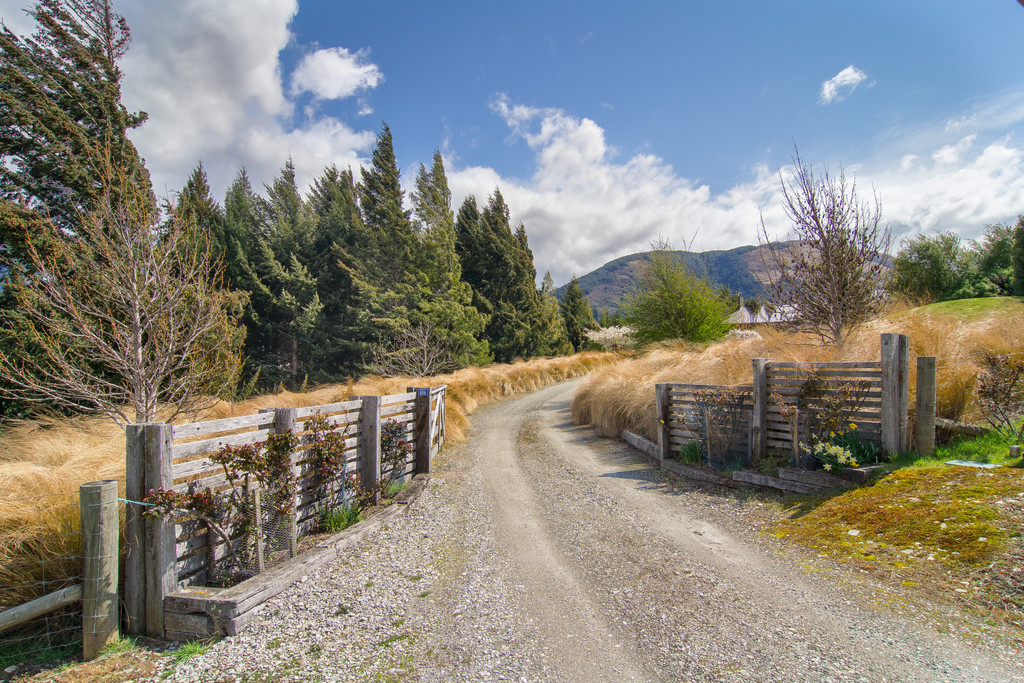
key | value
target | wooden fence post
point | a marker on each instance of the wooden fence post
(661, 403)
(284, 420)
(369, 432)
(895, 357)
(100, 532)
(924, 425)
(759, 414)
(422, 435)
(151, 562)
(442, 406)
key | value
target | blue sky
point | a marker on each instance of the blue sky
(604, 124)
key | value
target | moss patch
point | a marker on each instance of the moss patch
(947, 514)
(952, 532)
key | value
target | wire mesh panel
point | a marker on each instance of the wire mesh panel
(44, 555)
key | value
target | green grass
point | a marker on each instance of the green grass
(992, 448)
(189, 650)
(339, 518)
(970, 309)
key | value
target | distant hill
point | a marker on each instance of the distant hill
(737, 269)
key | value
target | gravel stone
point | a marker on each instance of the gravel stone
(540, 552)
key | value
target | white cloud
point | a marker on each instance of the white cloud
(209, 76)
(12, 13)
(583, 206)
(953, 154)
(335, 73)
(842, 84)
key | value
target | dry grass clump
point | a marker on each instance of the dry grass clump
(44, 461)
(622, 396)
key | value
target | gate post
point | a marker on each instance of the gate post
(759, 414)
(422, 435)
(150, 558)
(924, 424)
(895, 360)
(369, 432)
(100, 533)
(661, 400)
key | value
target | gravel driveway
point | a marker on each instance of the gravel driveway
(540, 552)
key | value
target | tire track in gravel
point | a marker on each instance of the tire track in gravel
(620, 579)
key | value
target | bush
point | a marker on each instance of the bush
(670, 302)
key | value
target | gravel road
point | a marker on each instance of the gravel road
(540, 552)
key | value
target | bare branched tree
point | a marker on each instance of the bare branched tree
(124, 318)
(833, 278)
(414, 352)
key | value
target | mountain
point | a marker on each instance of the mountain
(737, 269)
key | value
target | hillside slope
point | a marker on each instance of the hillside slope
(738, 269)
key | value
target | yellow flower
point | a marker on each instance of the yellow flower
(853, 426)
(831, 433)
(853, 463)
(828, 467)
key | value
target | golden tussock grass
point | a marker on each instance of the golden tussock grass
(44, 461)
(622, 396)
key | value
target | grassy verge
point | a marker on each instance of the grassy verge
(44, 461)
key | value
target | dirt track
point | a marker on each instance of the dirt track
(543, 553)
(624, 579)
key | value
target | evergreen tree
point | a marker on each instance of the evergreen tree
(63, 130)
(446, 305)
(577, 314)
(341, 337)
(388, 240)
(498, 264)
(286, 305)
(241, 230)
(550, 337)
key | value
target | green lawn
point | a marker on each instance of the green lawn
(968, 309)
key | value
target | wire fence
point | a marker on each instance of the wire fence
(41, 552)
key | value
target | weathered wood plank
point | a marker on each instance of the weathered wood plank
(227, 424)
(813, 478)
(36, 608)
(328, 408)
(191, 448)
(397, 398)
(748, 477)
(828, 365)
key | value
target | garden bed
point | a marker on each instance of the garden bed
(204, 612)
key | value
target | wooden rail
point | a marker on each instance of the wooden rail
(169, 555)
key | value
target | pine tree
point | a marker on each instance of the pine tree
(577, 314)
(498, 264)
(446, 305)
(340, 338)
(285, 300)
(388, 241)
(63, 130)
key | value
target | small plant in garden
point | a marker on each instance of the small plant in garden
(842, 449)
(1001, 391)
(333, 520)
(719, 418)
(326, 455)
(265, 464)
(690, 453)
(395, 450)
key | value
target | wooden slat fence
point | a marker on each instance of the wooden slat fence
(717, 417)
(785, 402)
(787, 419)
(190, 549)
